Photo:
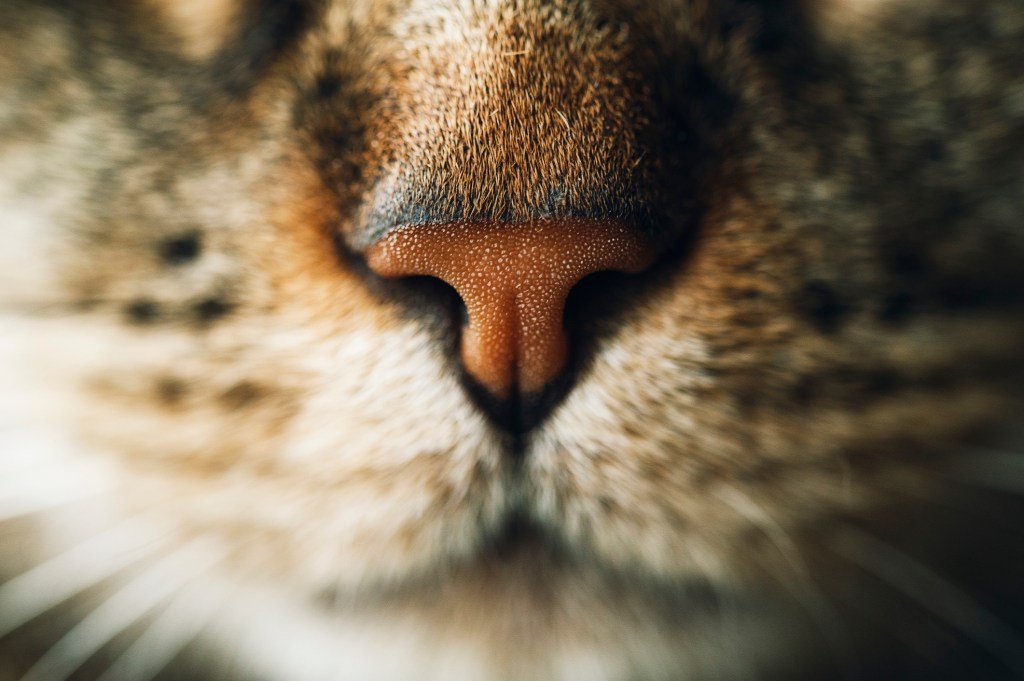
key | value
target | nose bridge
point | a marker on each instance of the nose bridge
(514, 280)
(507, 140)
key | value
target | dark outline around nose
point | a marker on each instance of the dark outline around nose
(514, 280)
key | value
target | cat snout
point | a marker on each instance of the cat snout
(514, 279)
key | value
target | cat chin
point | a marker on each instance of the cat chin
(522, 609)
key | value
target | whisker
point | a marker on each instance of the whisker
(730, 623)
(29, 489)
(50, 583)
(19, 451)
(134, 600)
(882, 621)
(166, 637)
(806, 591)
(1001, 470)
(934, 594)
(13, 508)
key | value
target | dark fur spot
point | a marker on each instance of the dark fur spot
(750, 294)
(171, 392)
(748, 400)
(328, 85)
(804, 391)
(241, 395)
(851, 387)
(820, 304)
(746, 321)
(268, 32)
(142, 312)
(181, 249)
(906, 263)
(212, 309)
(763, 471)
(934, 151)
(881, 382)
(964, 296)
(896, 308)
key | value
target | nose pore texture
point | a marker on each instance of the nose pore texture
(514, 280)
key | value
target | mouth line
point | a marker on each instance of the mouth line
(518, 533)
(522, 557)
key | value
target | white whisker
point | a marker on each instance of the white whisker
(25, 506)
(14, 457)
(44, 487)
(134, 600)
(934, 594)
(50, 583)
(993, 469)
(805, 590)
(167, 636)
(41, 479)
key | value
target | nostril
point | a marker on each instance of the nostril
(514, 280)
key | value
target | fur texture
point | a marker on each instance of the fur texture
(231, 452)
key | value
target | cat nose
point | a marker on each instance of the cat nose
(514, 280)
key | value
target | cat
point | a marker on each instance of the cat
(611, 340)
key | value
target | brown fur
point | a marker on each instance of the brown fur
(828, 348)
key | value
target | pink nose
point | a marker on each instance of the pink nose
(514, 280)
